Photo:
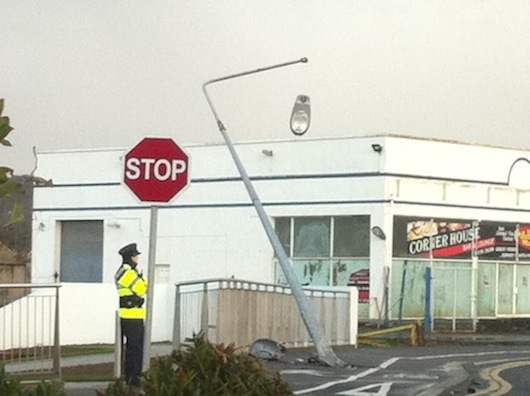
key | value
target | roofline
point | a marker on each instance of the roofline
(292, 139)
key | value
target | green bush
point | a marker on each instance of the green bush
(12, 387)
(46, 388)
(9, 386)
(201, 368)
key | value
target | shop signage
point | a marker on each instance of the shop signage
(448, 238)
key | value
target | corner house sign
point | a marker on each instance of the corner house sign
(457, 238)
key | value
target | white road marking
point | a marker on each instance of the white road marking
(314, 373)
(406, 376)
(494, 361)
(458, 355)
(384, 365)
(387, 363)
(383, 390)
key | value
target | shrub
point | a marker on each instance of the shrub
(202, 368)
(46, 388)
(9, 386)
(12, 387)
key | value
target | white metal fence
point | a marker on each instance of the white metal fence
(230, 310)
(29, 333)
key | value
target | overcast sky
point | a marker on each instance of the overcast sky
(105, 73)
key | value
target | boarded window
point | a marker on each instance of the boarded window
(81, 251)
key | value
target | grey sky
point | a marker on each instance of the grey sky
(105, 73)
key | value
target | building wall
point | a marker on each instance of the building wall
(211, 229)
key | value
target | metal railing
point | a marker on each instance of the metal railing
(240, 312)
(29, 330)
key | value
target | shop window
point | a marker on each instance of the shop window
(283, 229)
(351, 236)
(325, 251)
(311, 237)
(312, 272)
(309, 272)
(81, 251)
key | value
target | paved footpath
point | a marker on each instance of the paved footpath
(82, 388)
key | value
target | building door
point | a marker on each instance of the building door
(506, 289)
(522, 283)
(452, 292)
(81, 251)
(486, 289)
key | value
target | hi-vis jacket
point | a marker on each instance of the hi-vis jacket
(132, 289)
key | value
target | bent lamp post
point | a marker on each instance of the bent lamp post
(322, 344)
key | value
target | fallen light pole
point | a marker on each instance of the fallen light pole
(322, 344)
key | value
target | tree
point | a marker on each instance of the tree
(9, 186)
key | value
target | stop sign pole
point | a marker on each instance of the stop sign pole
(153, 226)
(155, 170)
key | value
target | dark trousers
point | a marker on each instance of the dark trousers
(133, 331)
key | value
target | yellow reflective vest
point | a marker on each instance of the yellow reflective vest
(132, 288)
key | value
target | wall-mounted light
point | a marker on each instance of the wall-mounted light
(114, 224)
(268, 153)
(378, 232)
(42, 226)
(377, 148)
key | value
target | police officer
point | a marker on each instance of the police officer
(132, 288)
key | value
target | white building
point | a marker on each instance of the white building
(458, 208)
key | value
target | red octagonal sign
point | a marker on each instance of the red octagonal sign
(156, 169)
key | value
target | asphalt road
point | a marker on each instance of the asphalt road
(506, 377)
(483, 368)
(410, 371)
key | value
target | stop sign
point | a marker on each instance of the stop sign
(156, 169)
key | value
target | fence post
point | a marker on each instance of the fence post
(354, 315)
(428, 299)
(118, 346)
(176, 319)
(474, 296)
(402, 292)
(57, 342)
(204, 311)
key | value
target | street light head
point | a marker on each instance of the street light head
(304, 60)
(378, 232)
(301, 115)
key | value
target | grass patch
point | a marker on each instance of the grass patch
(88, 378)
(89, 373)
(81, 350)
